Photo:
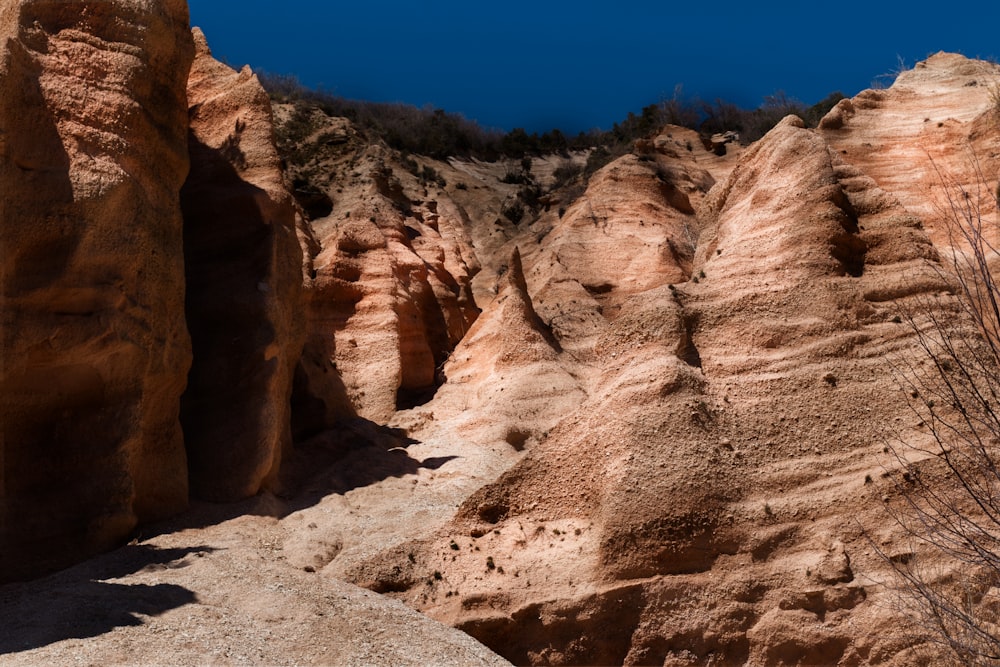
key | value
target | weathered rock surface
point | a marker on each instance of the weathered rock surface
(634, 229)
(244, 285)
(391, 294)
(506, 385)
(661, 441)
(938, 122)
(716, 480)
(94, 352)
(222, 594)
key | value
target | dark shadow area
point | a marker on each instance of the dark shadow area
(518, 438)
(407, 399)
(847, 246)
(849, 250)
(232, 237)
(356, 454)
(593, 630)
(688, 351)
(64, 427)
(77, 603)
(319, 397)
(314, 202)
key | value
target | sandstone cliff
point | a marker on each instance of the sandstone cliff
(100, 291)
(244, 276)
(708, 499)
(659, 443)
(391, 293)
(944, 120)
(94, 353)
(97, 293)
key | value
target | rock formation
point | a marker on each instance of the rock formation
(944, 127)
(736, 404)
(391, 294)
(659, 443)
(244, 285)
(99, 290)
(506, 382)
(94, 353)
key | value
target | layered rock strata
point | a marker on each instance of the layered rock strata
(392, 263)
(737, 401)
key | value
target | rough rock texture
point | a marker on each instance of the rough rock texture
(507, 385)
(660, 443)
(634, 229)
(94, 351)
(218, 595)
(391, 293)
(717, 478)
(938, 121)
(244, 285)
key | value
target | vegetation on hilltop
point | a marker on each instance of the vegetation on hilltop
(423, 131)
(440, 134)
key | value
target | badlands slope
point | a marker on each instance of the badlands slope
(643, 426)
(723, 329)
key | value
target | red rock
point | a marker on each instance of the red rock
(937, 122)
(676, 470)
(392, 291)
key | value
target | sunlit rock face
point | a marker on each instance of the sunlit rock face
(391, 289)
(94, 352)
(659, 442)
(710, 494)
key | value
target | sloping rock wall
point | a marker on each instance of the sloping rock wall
(244, 285)
(94, 352)
(390, 294)
(719, 470)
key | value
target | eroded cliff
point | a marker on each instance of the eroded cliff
(95, 351)
(714, 492)
(659, 442)
(245, 295)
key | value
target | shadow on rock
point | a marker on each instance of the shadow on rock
(354, 454)
(77, 604)
(358, 454)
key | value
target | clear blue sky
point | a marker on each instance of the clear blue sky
(576, 65)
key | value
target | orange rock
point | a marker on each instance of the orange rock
(731, 396)
(937, 122)
(244, 285)
(392, 291)
(94, 353)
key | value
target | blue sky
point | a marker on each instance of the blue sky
(579, 65)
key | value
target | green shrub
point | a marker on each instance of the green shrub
(440, 134)
(514, 177)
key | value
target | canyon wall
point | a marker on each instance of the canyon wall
(165, 303)
(94, 352)
(392, 263)
(731, 325)
(245, 296)
(679, 372)
(138, 204)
